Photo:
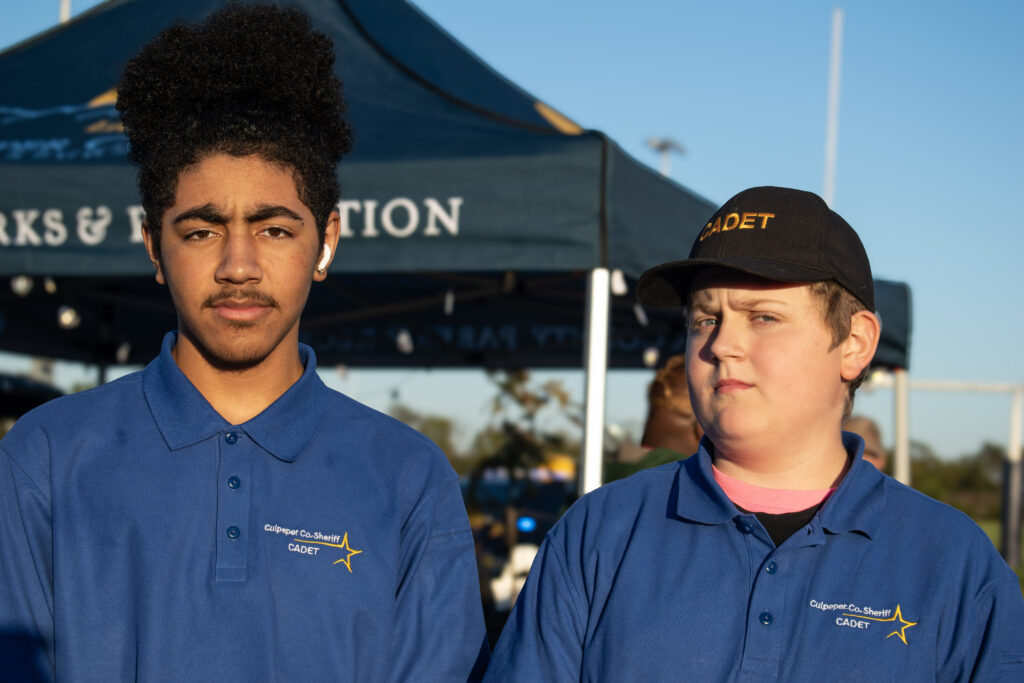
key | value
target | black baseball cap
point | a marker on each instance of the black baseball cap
(772, 232)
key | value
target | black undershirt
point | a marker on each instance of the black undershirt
(781, 527)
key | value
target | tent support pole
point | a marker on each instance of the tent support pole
(596, 365)
(1012, 484)
(901, 396)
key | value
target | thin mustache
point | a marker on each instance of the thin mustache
(253, 295)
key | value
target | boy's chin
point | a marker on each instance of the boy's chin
(734, 425)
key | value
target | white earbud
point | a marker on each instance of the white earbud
(322, 266)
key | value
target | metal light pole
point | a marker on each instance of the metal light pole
(665, 147)
(832, 127)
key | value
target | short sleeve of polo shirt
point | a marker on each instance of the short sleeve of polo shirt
(543, 639)
(991, 645)
(437, 604)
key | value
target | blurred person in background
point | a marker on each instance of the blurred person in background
(671, 431)
(867, 429)
(670, 419)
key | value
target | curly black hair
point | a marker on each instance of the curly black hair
(250, 79)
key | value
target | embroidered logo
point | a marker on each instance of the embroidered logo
(896, 619)
(310, 544)
(748, 220)
(863, 618)
(345, 548)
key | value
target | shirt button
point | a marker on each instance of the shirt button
(231, 437)
(771, 567)
(766, 618)
(233, 532)
(234, 482)
(746, 527)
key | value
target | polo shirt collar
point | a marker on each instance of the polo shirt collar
(700, 498)
(184, 417)
(856, 505)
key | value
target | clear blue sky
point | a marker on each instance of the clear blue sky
(929, 169)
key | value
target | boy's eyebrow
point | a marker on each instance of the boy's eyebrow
(209, 213)
(755, 301)
(264, 212)
(703, 303)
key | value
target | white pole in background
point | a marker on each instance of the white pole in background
(665, 147)
(901, 470)
(1013, 470)
(832, 125)
(1014, 497)
(596, 363)
(901, 449)
(65, 11)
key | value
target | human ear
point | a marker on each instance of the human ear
(329, 247)
(859, 347)
(154, 253)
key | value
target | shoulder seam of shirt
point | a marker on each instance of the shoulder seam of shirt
(14, 461)
(986, 590)
(431, 494)
(573, 591)
(990, 586)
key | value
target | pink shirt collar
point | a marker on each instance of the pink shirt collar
(772, 501)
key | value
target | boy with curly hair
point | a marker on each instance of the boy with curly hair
(222, 514)
(775, 553)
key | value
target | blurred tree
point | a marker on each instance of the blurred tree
(438, 429)
(520, 444)
(971, 483)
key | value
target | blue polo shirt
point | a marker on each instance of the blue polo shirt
(659, 577)
(145, 538)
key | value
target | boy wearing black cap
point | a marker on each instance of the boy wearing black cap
(775, 543)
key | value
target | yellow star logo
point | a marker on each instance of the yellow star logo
(900, 632)
(347, 560)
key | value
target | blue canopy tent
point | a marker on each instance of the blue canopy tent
(480, 226)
